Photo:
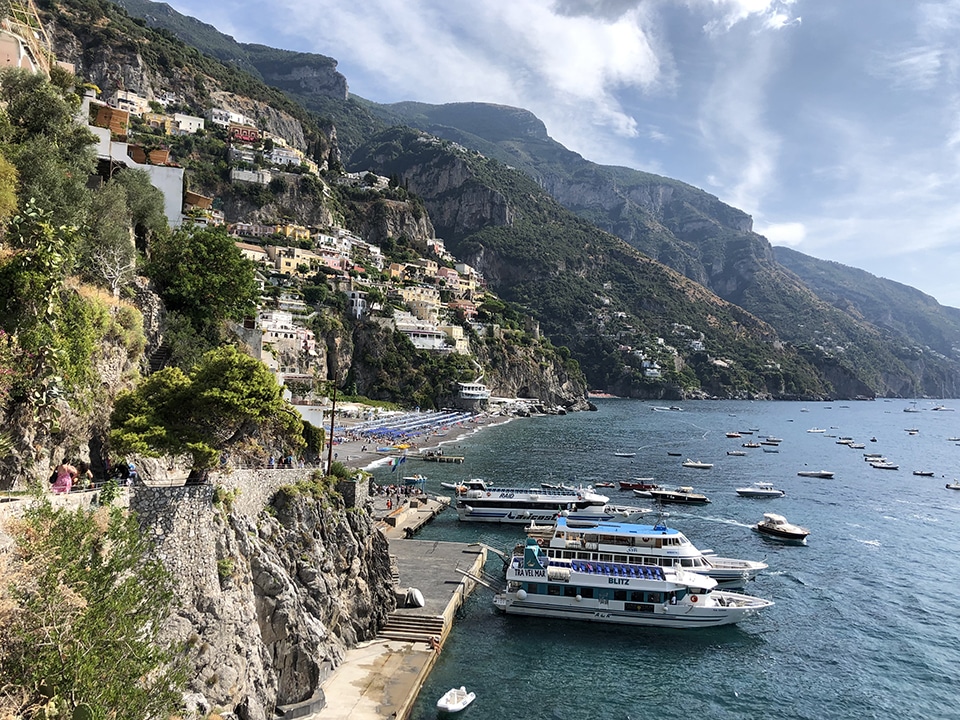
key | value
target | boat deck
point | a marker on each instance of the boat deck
(641, 572)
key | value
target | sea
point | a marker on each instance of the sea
(866, 619)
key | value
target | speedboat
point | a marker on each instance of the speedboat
(627, 593)
(777, 526)
(750, 444)
(760, 490)
(816, 474)
(455, 700)
(953, 486)
(638, 484)
(683, 495)
(733, 435)
(635, 543)
(923, 473)
(622, 454)
(479, 501)
(885, 465)
(737, 453)
(696, 464)
(816, 430)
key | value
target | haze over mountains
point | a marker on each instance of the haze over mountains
(865, 334)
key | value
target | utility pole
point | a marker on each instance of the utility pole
(333, 415)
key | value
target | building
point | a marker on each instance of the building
(225, 118)
(423, 302)
(258, 177)
(129, 102)
(187, 124)
(255, 253)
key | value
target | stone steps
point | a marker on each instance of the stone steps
(412, 628)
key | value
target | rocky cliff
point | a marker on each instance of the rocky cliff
(276, 581)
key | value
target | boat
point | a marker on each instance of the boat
(683, 495)
(750, 444)
(856, 446)
(771, 450)
(923, 473)
(942, 408)
(733, 435)
(627, 593)
(777, 526)
(479, 501)
(772, 439)
(885, 465)
(619, 453)
(696, 464)
(737, 453)
(771, 442)
(816, 474)
(912, 408)
(604, 484)
(816, 430)
(760, 490)
(455, 699)
(646, 493)
(638, 484)
(953, 485)
(676, 454)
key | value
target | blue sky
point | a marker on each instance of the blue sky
(834, 123)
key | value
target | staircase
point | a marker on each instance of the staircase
(411, 628)
(159, 359)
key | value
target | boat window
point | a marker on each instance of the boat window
(553, 589)
(606, 557)
(532, 589)
(654, 597)
(586, 592)
(636, 595)
(620, 595)
(658, 543)
(569, 591)
(686, 562)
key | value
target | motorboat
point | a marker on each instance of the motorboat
(884, 465)
(771, 450)
(683, 495)
(620, 453)
(644, 483)
(733, 435)
(479, 501)
(676, 454)
(816, 430)
(856, 446)
(953, 485)
(827, 474)
(696, 464)
(750, 445)
(455, 699)
(626, 593)
(777, 526)
(646, 493)
(923, 473)
(737, 453)
(635, 543)
(760, 490)
(604, 484)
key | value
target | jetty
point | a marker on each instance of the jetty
(381, 678)
(439, 457)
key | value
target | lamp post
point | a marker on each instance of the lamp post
(333, 415)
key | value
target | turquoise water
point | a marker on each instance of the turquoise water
(865, 622)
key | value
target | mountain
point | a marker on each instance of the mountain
(676, 224)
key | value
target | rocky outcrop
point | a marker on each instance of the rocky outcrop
(521, 371)
(267, 118)
(269, 601)
(385, 219)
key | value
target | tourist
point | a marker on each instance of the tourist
(64, 481)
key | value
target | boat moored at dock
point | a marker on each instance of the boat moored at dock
(629, 543)
(611, 592)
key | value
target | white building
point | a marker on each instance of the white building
(224, 118)
(187, 124)
(258, 177)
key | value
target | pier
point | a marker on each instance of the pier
(381, 678)
(441, 458)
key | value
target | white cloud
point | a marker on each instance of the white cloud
(790, 234)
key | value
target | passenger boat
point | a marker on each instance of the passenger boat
(478, 501)
(683, 495)
(760, 490)
(777, 526)
(816, 474)
(621, 593)
(637, 544)
(696, 464)
(455, 700)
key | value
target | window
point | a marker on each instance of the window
(586, 592)
(570, 591)
(553, 590)
(620, 595)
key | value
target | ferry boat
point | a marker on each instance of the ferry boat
(612, 592)
(635, 544)
(478, 501)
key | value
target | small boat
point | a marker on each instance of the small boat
(873, 439)
(696, 464)
(733, 435)
(604, 484)
(676, 454)
(683, 495)
(455, 700)
(771, 450)
(816, 474)
(923, 473)
(738, 453)
(816, 430)
(620, 453)
(885, 465)
(856, 446)
(942, 408)
(771, 442)
(774, 439)
(750, 445)
(777, 526)
(646, 493)
(953, 486)
(638, 484)
(760, 490)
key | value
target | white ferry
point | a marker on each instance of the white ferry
(627, 543)
(479, 502)
(611, 592)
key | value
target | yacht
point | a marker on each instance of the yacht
(621, 593)
(760, 490)
(777, 526)
(478, 501)
(683, 495)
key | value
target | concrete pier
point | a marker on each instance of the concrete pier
(382, 678)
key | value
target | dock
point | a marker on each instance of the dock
(441, 458)
(382, 678)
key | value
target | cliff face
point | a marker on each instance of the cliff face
(269, 600)
(524, 372)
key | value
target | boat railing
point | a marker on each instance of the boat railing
(641, 572)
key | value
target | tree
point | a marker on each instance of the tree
(145, 203)
(228, 398)
(106, 252)
(202, 274)
(81, 608)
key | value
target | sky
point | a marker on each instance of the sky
(834, 123)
